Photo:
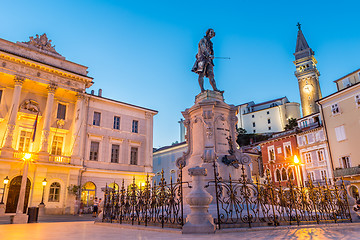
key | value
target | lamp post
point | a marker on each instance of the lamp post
(297, 169)
(44, 182)
(6, 180)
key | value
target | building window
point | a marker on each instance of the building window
(283, 174)
(357, 100)
(321, 156)
(271, 153)
(135, 126)
(269, 128)
(312, 176)
(345, 162)
(1, 93)
(253, 116)
(134, 156)
(269, 121)
(116, 122)
(291, 174)
(287, 149)
(278, 175)
(304, 124)
(346, 82)
(335, 109)
(115, 153)
(340, 133)
(56, 147)
(268, 112)
(54, 192)
(94, 151)
(254, 131)
(24, 141)
(61, 111)
(307, 157)
(97, 117)
(323, 174)
(254, 124)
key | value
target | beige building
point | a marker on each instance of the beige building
(313, 149)
(341, 114)
(267, 117)
(68, 137)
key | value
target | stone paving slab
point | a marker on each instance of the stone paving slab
(53, 218)
(89, 231)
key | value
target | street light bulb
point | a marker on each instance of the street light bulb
(6, 180)
(44, 182)
(27, 156)
(296, 160)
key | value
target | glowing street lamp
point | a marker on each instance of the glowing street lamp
(44, 182)
(6, 180)
(297, 169)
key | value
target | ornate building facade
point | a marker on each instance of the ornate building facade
(64, 135)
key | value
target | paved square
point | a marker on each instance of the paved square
(89, 230)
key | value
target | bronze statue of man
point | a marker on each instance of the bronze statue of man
(204, 65)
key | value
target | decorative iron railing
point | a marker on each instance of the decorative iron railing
(242, 203)
(59, 159)
(157, 204)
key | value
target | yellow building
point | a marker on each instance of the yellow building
(341, 114)
(74, 138)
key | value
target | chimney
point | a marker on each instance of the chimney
(92, 92)
(100, 92)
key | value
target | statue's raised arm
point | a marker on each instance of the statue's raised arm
(204, 65)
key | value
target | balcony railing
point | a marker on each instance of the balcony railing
(59, 159)
(21, 155)
(347, 171)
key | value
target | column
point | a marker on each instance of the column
(13, 112)
(78, 126)
(47, 117)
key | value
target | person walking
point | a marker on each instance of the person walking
(95, 207)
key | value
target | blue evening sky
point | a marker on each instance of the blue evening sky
(141, 52)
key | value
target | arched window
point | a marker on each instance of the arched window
(114, 186)
(283, 174)
(88, 193)
(291, 174)
(278, 175)
(354, 192)
(54, 192)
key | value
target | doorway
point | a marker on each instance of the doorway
(14, 192)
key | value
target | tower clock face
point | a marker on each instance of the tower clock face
(308, 88)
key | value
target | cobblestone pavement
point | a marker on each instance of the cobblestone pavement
(89, 231)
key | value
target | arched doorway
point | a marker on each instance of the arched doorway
(14, 192)
(88, 194)
(354, 192)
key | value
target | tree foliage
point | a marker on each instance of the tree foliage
(245, 139)
(292, 123)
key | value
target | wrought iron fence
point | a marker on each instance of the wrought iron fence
(243, 203)
(153, 204)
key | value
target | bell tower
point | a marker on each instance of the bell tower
(307, 75)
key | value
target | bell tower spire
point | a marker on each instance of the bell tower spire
(307, 75)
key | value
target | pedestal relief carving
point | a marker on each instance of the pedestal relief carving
(9, 135)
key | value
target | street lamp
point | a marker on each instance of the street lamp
(6, 180)
(44, 182)
(297, 169)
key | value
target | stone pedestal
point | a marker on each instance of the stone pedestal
(41, 209)
(2, 209)
(199, 220)
(210, 123)
(20, 218)
(351, 201)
